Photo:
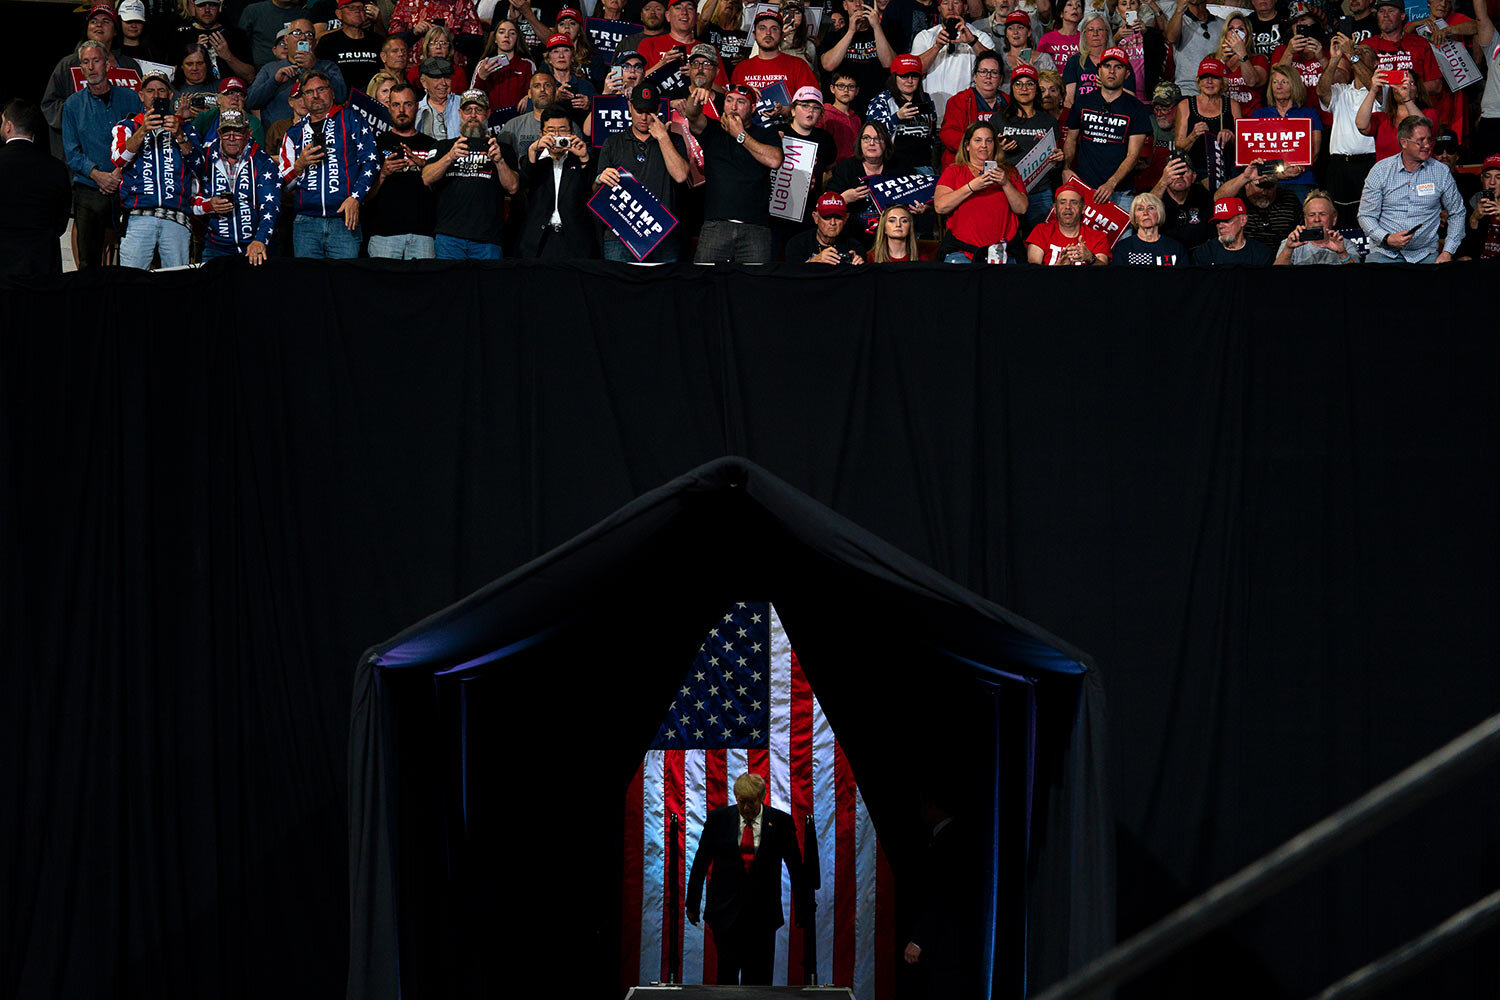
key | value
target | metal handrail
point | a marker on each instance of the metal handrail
(1373, 811)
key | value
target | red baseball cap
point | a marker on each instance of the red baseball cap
(831, 205)
(905, 65)
(1491, 162)
(101, 8)
(1018, 17)
(558, 41)
(1211, 67)
(1116, 53)
(769, 12)
(568, 12)
(231, 83)
(1227, 208)
(1024, 70)
(296, 88)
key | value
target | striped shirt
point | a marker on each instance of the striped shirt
(1396, 199)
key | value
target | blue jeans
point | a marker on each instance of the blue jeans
(1380, 255)
(147, 233)
(1038, 204)
(454, 248)
(407, 246)
(327, 239)
(665, 252)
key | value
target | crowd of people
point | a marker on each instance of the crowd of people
(864, 131)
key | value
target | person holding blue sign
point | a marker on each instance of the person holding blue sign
(655, 157)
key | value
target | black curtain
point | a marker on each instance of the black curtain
(471, 730)
(1266, 505)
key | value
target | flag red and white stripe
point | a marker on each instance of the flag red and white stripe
(806, 772)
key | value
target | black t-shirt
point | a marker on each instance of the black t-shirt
(1266, 36)
(1132, 250)
(1213, 254)
(861, 62)
(469, 197)
(732, 45)
(802, 246)
(1104, 134)
(904, 20)
(1192, 222)
(737, 185)
(403, 204)
(828, 152)
(643, 159)
(357, 58)
(1026, 132)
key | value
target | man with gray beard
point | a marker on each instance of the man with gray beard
(471, 179)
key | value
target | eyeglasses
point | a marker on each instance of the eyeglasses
(299, 34)
(1421, 142)
(986, 72)
(846, 86)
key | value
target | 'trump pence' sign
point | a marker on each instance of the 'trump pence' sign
(1288, 139)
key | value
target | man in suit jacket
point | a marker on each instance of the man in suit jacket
(558, 178)
(745, 845)
(35, 196)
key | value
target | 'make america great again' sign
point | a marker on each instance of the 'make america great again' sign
(1288, 139)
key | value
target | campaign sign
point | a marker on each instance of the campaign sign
(765, 108)
(1033, 167)
(910, 189)
(633, 214)
(612, 116)
(1416, 10)
(791, 181)
(679, 125)
(375, 114)
(606, 36)
(1457, 66)
(1107, 218)
(117, 75)
(1288, 139)
(671, 80)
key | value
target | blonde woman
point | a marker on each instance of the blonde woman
(1144, 245)
(438, 43)
(1244, 74)
(1286, 97)
(895, 242)
(1081, 74)
(380, 86)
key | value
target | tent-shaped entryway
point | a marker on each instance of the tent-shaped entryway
(491, 744)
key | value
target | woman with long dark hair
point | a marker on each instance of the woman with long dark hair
(504, 68)
(1022, 125)
(907, 113)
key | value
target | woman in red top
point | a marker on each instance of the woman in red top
(504, 69)
(984, 204)
(1398, 105)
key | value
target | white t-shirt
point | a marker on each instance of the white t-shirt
(951, 73)
(1489, 104)
(1344, 137)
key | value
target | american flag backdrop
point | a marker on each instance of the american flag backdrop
(745, 705)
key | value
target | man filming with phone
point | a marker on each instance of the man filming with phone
(329, 157)
(236, 187)
(270, 93)
(1317, 240)
(400, 208)
(471, 178)
(155, 150)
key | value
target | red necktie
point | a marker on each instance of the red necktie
(747, 844)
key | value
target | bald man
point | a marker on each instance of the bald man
(745, 845)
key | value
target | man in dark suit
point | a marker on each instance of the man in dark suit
(745, 845)
(558, 178)
(35, 196)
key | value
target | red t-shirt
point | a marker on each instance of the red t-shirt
(1412, 53)
(651, 50)
(985, 217)
(1234, 86)
(1053, 242)
(782, 68)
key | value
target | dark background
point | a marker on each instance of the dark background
(1271, 521)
